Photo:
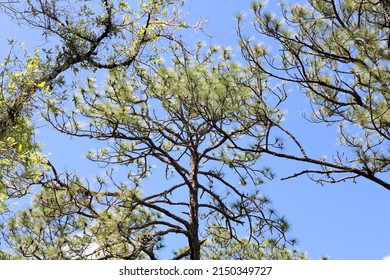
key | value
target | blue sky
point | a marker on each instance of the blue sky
(343, 221)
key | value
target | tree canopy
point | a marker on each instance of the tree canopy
(188, 117)
(337, 53)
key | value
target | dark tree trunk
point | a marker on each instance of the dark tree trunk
(194, 213)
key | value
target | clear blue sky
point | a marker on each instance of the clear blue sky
(343, 221)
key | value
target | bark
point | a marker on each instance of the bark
(194, 211)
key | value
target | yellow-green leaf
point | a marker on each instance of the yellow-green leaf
(41, 85)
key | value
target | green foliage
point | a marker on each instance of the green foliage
(202, 119)
(194, 119)
(21, 162)
(337, 53)
(222, 247)
(106, 35)
(66, 223)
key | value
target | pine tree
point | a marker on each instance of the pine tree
(336, 53)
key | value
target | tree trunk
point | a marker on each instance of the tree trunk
(193, 214)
